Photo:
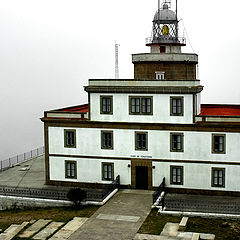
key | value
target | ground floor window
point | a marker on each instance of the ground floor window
(107, 171)
(218, 177)
(71, 169)
(176, 175)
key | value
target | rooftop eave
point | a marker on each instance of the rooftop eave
(144, 89)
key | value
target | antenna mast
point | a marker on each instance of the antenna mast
(116, 61)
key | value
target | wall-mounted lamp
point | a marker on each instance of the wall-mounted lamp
(153, 167)
(129, 165)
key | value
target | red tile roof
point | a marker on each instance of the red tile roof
(219, 110)
(81, 109)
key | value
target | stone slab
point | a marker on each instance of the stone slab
(66, 231)
(34, 228)
(113, 217)
(147, 236)
(12, 231)
(48, 231)
(204, 236)
(170, 229)
(196, 236)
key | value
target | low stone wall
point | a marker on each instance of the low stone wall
(9, 202)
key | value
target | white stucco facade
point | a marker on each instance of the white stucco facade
(161, 109)
(196, 159)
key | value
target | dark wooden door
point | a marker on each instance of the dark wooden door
(142, 177)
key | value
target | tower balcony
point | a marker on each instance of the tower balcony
(181, 41)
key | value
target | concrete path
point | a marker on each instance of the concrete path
(119, 219)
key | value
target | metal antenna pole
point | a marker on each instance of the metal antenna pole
(116, 61)
(176, 9)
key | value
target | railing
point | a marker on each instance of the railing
(96, 195)
(179, 40)
(33, 193)
(7, 163)
(159, 195)
(115, 184)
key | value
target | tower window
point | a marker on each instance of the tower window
(162, 49)
(160, 75)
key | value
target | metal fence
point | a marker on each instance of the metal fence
(7, 163)
(33, 193)
(96, 195)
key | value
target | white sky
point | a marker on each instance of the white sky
(50, 48)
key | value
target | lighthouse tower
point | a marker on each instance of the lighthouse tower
(165, 60)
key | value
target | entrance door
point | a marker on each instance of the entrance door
(142, 177)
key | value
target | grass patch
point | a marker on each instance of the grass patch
(154, 223)
(62, 214)
(223, 229)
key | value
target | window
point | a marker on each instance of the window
(162, 49)
(106, 139)
(71, 169)
(218, 143)
(160, 75)
(106, 104)
(107, 171)
(176, 175)
(176, 106)
(69, 138)
(176, 142)
(140, 105)
(218, 177)
(141, 141)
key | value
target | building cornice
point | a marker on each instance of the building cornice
(144, 89)
(198, 126)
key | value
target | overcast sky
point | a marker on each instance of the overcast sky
(50, 48)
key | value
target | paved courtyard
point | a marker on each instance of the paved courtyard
(119, 219)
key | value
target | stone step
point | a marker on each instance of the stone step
(147, 236)
(170, 229)
(48, 231)
(66, 231)
(33, 229)
(12, 231)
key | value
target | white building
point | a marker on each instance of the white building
(147, 128)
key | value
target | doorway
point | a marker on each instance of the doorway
(141, 177)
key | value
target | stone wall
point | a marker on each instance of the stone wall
(173, 70)
(9, 202)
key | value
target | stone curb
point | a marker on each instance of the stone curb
(199, 214)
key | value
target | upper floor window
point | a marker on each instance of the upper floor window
(107, 171)
(106, 104)
(176, 106)
(106, 139)
(71, 169)
(176, 175)
(69, 138)
(140, 105)
(218, 177)
(141, 141)
(218, 143)
(176, 142)
(160, 75)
